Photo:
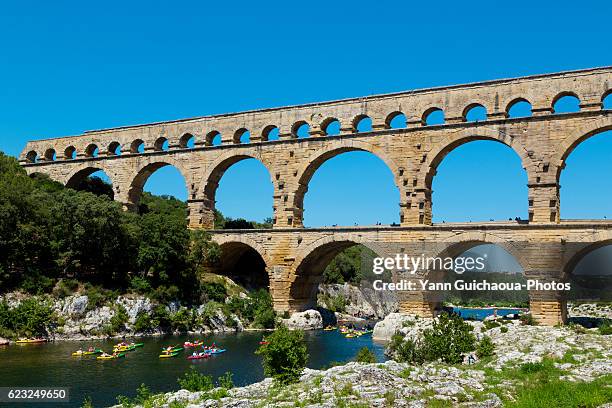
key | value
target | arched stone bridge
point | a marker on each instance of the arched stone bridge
(296, 258)
(543, 141)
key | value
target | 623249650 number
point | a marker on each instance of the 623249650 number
(32, 394)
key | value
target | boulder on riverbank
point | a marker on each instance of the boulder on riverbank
(398, 322)
(308, 320)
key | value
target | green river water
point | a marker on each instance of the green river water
(51, 364)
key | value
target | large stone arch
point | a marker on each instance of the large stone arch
(569, 144)
(81, 172)
(425, 303)
(316, 160)
(216, 169)
(593, 286)
(442, 149)
(145, 170)
(459, 243)
(241, 239)
(237, 248)
(428, 169)
(575, 251)
(306, 270)
(579, 135)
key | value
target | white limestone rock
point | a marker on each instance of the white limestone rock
(308, 320)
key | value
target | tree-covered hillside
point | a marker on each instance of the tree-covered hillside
(50, 233)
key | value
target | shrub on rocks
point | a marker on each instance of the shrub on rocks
(31, 318)
(117, 322)
(605, 329)
(485, 347)
(447, 340)
(365, 355)
(284, 355)
(195, 382)
(405, 350)
(65, 288)
(528, 320)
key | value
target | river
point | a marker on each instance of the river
(51, 364)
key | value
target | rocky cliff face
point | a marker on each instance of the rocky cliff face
(78, 321)
(360, 301)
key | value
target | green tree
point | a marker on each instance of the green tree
(485, 347)
(365, 355)
(448, 339)
(239, 223)
(285, 355)
(164, 243)
(195, 382)
(90, 236)
(25, 247)
(33, 317)
(97, 186)
(203, 250)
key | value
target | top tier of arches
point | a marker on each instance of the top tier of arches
(497, 100)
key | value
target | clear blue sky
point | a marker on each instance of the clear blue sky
(73, 66)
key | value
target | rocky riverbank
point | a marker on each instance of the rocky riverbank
(573, 360)
(595, 310)
(130, 316)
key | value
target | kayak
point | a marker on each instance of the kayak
(130, 346)
(194, 344)
(86, 353)
(198, 356)
(31, 341)
(263, 342)
(216, 351)
(329, 328)
(168, 355)
(126, 348)
(112, 357)
(173, 350)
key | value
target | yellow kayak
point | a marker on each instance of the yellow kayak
(112, 357)
(123, 349)
(168, 355)
(30, 341)
(86, 353)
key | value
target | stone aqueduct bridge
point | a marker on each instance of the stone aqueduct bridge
(295, 256)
